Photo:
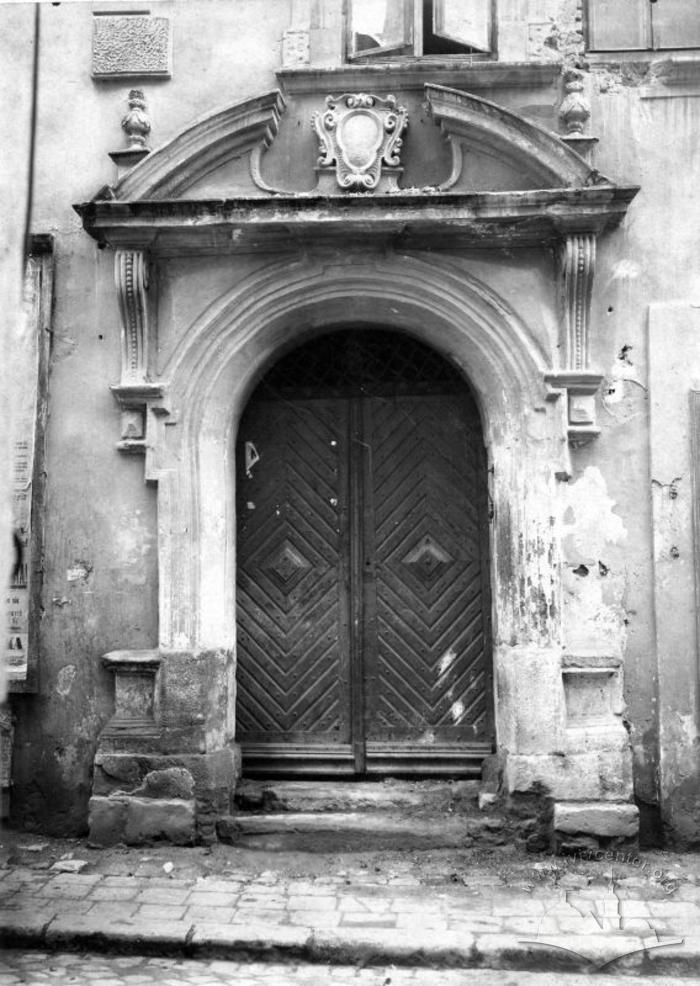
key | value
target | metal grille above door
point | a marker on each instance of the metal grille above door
(362, 600)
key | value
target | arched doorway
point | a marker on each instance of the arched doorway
(362, 564)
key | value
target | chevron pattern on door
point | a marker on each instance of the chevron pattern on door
(362, 589)
(291, 594)
(428, 678)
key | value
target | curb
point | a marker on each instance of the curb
(339, 947)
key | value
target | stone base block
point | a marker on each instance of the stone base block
(597, 819)
(210, 777)
(138, 821)
(604, 775)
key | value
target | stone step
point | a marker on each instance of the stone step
(356, 831)
(271, 796)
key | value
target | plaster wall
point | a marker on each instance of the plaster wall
(101, 564)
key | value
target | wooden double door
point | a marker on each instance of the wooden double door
(362, 589)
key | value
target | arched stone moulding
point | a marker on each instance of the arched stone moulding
(531, 149)
(202, 147)
(211, 377)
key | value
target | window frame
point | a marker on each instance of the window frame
(648, 29)
(415, 22)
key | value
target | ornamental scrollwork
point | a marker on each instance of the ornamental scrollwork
(360, 139)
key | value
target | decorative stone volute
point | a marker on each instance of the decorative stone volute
(135, 392)
(360, 142)
(576, 268)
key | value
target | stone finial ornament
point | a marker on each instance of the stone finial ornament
(574, 111)
(136, 124)
(360, 141)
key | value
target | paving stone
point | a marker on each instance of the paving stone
(429, 922)
(121, 881)
(252, 936)
(365, 904)
(266, 901)
(162, 895)
(314, 902)
(199, 899)
(315, 919)
(107, 910)
(160, 912)
(217, 886)
(270, 918)
(25, 923)
(69, 929)
(211, 915)
(114, 893)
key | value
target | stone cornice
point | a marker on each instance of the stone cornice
(405, 74)
(446, 220)
(202, 147)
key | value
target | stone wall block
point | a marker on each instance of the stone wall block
(589, 776)
(194, 705)
(106, 820)
(116, 772)
(529, 680)
(137, 821)
(592, 818)
(170, 819)
(173, 782)
(203, 782)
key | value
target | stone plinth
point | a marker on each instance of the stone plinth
(135, 703)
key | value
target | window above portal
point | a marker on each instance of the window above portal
(380, 28)
(643, 25)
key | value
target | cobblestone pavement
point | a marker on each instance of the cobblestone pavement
(448, 910)
(61, 969)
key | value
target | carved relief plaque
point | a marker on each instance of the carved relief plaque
(295, 48)
(130, 44)
(360, 141)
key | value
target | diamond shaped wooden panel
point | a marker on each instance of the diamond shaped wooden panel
(291, 592)
(362, 597)
(428, 678)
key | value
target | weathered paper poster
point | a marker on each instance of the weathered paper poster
(25, 366)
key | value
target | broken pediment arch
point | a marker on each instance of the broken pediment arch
(470, 122)
(241, 130)
(222, 153)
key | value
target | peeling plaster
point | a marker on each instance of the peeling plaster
(66, 677)
(79, 572)
(620, 399)
(68, 760)
(589, 524)
(593, 589)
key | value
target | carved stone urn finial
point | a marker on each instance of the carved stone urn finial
(574, 110)
(136, 124)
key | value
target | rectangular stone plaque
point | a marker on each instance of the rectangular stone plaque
(130, 44)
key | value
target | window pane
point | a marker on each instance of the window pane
(465, 21)
(614, 25)
(675, 23)
(379, 25)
